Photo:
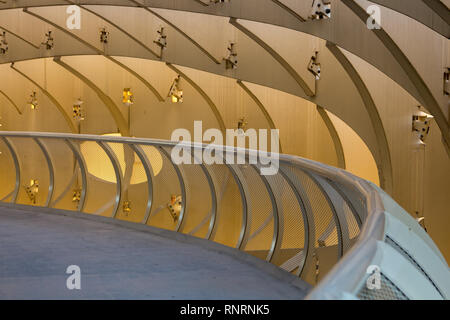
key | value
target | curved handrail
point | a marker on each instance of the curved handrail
(297, 220)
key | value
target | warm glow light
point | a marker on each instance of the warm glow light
(175, 93)
(99, 165)
(33, 101)
(77, 110)
(32, 190)
(178, 97)
(127, 96)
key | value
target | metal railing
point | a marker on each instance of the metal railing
(330, 228)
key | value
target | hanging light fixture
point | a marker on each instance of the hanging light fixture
(314, 66)
(126, 207)
(421, 123)
(161, 41)
(32, 190)
(321, 9)
(231, 58)
(104, 35)
(76, 195)
(242, 124)
(175, 205)
(78, 111)
(33, 102)
(3, 43)
(49, 42)
(175, 93)
(127, 97)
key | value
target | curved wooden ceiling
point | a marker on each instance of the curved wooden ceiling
(274, 40)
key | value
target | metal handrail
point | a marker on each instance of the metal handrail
(364, 200)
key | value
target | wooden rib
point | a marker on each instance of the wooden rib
(138, 76)
(107, 101)
(292, 12)
(19, 37)
(385, 167)
(118, 28)
(275, 55)
(430, 102)
(334, 136)
(50, 97)
(11, 101)
(98, 51)
(260, 106)
(203, 94)
(209, 55)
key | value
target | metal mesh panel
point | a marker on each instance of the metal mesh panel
(291, 223)
(101, 180)
(202, 227)
(322, 221)
(166, 185)
(199, 201)
(348, 225)
(405, 254)
(66, 174)
(260, 222)
(135, 188)
(229, 210)
(388, 291)
(323, 215)
(341, 211)
(219, 175)
(357, 200)
(352, 224)
(33, 168)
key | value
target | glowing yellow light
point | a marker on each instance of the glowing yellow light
(126, 207)
(99, 165)
(76, 195)
(127, 96)
(177, 97)
(175, 93)
(32, 190)
(77, 110)
(33, 101)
